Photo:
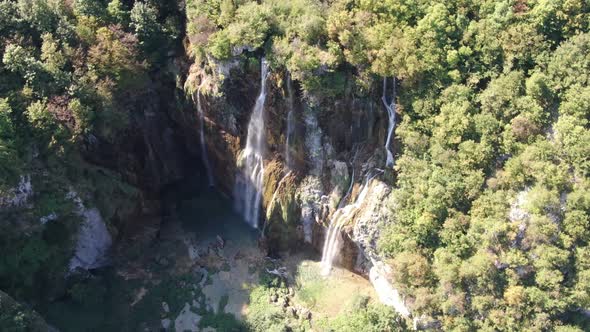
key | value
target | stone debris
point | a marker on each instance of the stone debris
(140, 294)
(162, 261)
(281, 272)
(50, 217)
(187, 320)
(193, 252)
(220, 241)
(305, 313)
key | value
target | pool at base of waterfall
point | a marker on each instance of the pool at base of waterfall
(205, 272)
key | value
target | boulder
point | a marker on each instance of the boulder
(94, 240)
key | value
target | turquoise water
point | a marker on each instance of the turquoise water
(210, 214)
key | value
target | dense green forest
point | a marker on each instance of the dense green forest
(495, 103)
(70, 70)
(490, 214)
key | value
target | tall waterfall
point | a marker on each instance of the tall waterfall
(391, 114)
(204, 154)
(248, 189)
(290, 124)
(340, 217)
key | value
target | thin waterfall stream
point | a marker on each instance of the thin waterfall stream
(248, 188)
(204, 154)
(391, 114)
(340, 217)
(290, 124)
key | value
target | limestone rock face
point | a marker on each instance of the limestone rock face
(380, 276)
(187, 320)
(19, 195)
(309, 193)
(339, 180)
(337, 145)
(369, 221)
(94, 239)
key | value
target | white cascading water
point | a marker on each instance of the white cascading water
(204, 154)
(248, 189)
(388, 295)
(290, 124)
(340, 217)
(391, 114)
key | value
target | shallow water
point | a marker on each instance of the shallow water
(199, 280)
(129, 296)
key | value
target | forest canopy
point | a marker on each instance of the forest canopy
(489, 222)
(490, 216)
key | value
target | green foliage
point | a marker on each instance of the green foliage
(264, 316)
(114, 56)
(42, 15)
(488, 223)
(89, 8)
(15, 317)
(117, 12)
(221, 321)
(10, 162)
(29, 263)
(89, 294)
(373, 318)
(68, 70)
(493, 103)
(155, 37)
(571, 64)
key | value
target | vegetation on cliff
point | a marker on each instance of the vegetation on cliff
(70, 72)
(490, 213)
(494, 101)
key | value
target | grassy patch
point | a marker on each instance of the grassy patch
(222, 321)
(311, 286)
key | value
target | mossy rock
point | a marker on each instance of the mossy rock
(272, 175)
(283, 214)
(339, 181)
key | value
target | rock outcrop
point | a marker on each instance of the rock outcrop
(93, 240)
(19, 195)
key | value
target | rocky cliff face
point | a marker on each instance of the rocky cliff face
(79, 211)
(334, 141)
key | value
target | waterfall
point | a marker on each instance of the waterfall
(333, 234)
(340, 217)
(388, 295)
(391, 114)
(290, 124)
(204, 154)
(248, 189)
